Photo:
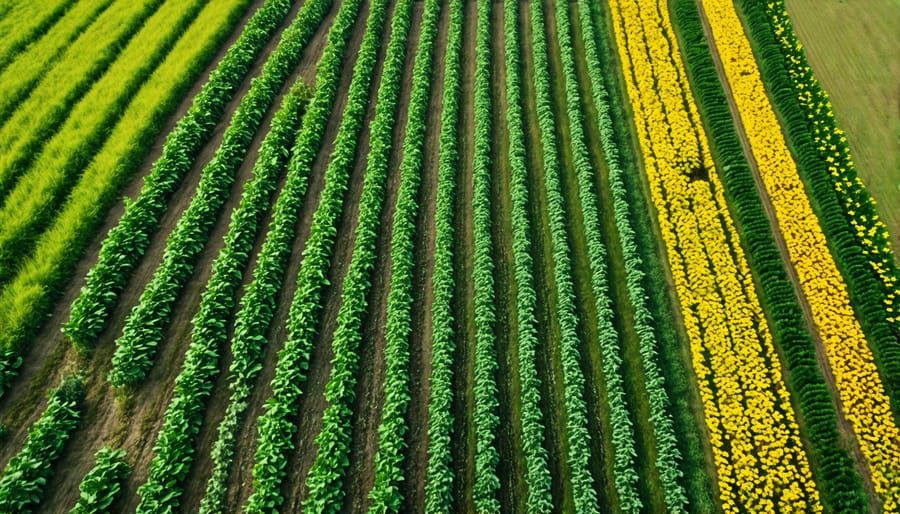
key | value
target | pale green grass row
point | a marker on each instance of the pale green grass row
(24, 22)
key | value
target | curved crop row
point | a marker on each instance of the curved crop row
(486, 394)
(439, 472)
(129, 239)
(668, 456)
(537, 470)
(25, 303)
(103, 482)
(861, 391)
(577, 435)
(24, 22)
(760, 461)
(858, 238)
(258, 303)
(194, 384)
(839, 481)
(143, 330)
(385, 494)
(24, 127)
(22, 481)
(52, 170)
(325, 478)
(276, 425)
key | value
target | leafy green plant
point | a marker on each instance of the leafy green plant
(103, 483)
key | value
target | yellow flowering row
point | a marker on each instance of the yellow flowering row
(851, 360)
(759, 459)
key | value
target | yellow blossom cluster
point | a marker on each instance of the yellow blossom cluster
(760, 462)
(861, 391)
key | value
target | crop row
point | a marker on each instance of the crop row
(257, 306)
(22, 481)
(193, 386)
(42, 277)
(385, 494)
(848, 216)
(52, 171)
(537, 477)
(23, 22)
(839, 482)
(103, 483)
(760, 462)
(27, 125)
(143, 331)
(129, 239)
(861, 391)
(576, 425)
(486, 395)
(668, 456)
(276, 425)
(325, 478)
(439, 471)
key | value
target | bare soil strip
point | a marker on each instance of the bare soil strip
(844, 426)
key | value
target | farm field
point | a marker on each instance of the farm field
(448, 256)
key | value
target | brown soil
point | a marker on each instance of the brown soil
(416, 459)
(109, 417)
(844, 426)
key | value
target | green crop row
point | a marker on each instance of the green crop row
(276, 425)
(439, 472)
(24, 22)
(51, 172)
(667, 454)
(103, 482)
(26, 302)
(258, 303)
(27, 125)
(579, 448)
(194, 384)
(859, 239)
(838, 480)
(385, 494)
(325, 478)
(22, 481)
(486, 394)
(538, 478)
(129, 239)
(143, 331)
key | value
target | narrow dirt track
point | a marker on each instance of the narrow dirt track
(844, 426)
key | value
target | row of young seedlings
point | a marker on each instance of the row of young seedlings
(385, 495)
(538, 478)
(668, 456)
(277, 424)
(144, 326)
(102, 484)
(174, 447)
(22, 481)
(41, 278)
(579, 446)
(258, 303)
(439, 470)
(486, 395)
(326, 476)
(129, 239)
(52, 168)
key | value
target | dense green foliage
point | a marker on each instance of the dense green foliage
(836, 206)
(103, 482)
(439, 472)
(325, 478)
(257, 306)
(129, 239)
(276, 425)
(23, 22)
(579, 448)
(487, 401)
(22, 481)
(385, 494)
(835, 474)
(538, 472)
(174, 447)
